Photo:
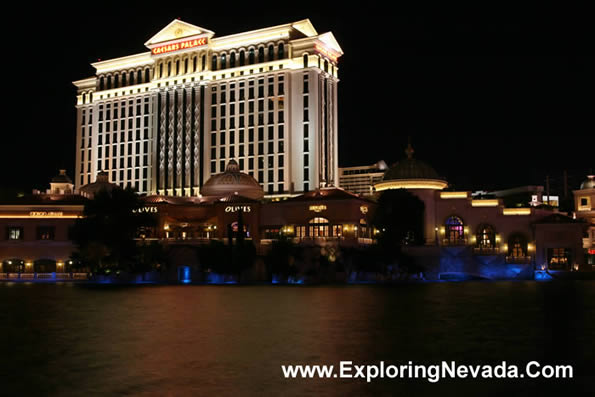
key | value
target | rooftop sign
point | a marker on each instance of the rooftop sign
(182, 45)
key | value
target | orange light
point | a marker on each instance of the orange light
(484, 203)
(453, 195)
(183, 45)
(516, 211)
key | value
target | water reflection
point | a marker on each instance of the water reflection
(199, 340)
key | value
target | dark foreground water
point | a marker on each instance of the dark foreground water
(201, 340)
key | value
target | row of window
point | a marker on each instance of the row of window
(123, 113)
(230, 91)
(485, 237)
(241, 108)
(258, 172)
(124, 79)
(321, 65)
(251, 122)
(41, 233)
(250, 57)
(306, 126)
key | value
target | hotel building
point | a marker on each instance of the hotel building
(361, 179)
(165, 120)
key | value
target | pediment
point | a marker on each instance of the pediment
(176, 30)
(328, 39)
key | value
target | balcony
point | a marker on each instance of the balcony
(486, 250)
(456, 242)
(521, 260)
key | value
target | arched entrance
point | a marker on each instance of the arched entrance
(318, 227)
(44, 266)
(13, 265)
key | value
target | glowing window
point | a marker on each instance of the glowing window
(454, 229)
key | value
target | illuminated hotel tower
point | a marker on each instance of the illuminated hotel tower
(165, 120)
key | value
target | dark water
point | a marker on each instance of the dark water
(199, 340)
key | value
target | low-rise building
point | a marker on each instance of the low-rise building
(584, 200)
(482, 236)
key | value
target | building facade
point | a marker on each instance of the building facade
(584, 203)
(166, 120)
(484, 237)
(361, 179)
(35, 231)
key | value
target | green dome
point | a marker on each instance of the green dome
(410, 168)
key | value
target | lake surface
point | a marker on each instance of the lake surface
(69, 339)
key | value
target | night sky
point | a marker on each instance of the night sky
(491, 98)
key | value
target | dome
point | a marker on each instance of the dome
(61, 178)
(411, 169)
(232, 182)
(589, 183)
(410, 173)
(101, 183)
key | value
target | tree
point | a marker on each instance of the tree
(280, 259)
(149, 257)
(105, 235)
(399, 217)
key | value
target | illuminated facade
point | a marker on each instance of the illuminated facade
(482, 236)
(165, 120)
(34, 232)
(584, 203)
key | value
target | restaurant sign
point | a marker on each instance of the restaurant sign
(237, 208)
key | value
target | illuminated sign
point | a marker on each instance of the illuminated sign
(182, 45)
(46, 213)
(592, 251)
(317, 208)
(363, 209)
(145, 210)
(236, 208)
(327, 52)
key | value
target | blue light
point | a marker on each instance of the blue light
(290, 280)
(184, 275)
(542, 275)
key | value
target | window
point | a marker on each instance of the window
(486, 237)
(517, 246)
(584, 204)
(558, 258)
(318, 227)
(454, 229)
(305, 60)
(15, 233)
(46, 232)
(281, 52)
(337, 230)
(271, 52)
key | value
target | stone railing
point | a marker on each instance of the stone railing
(44, 276)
